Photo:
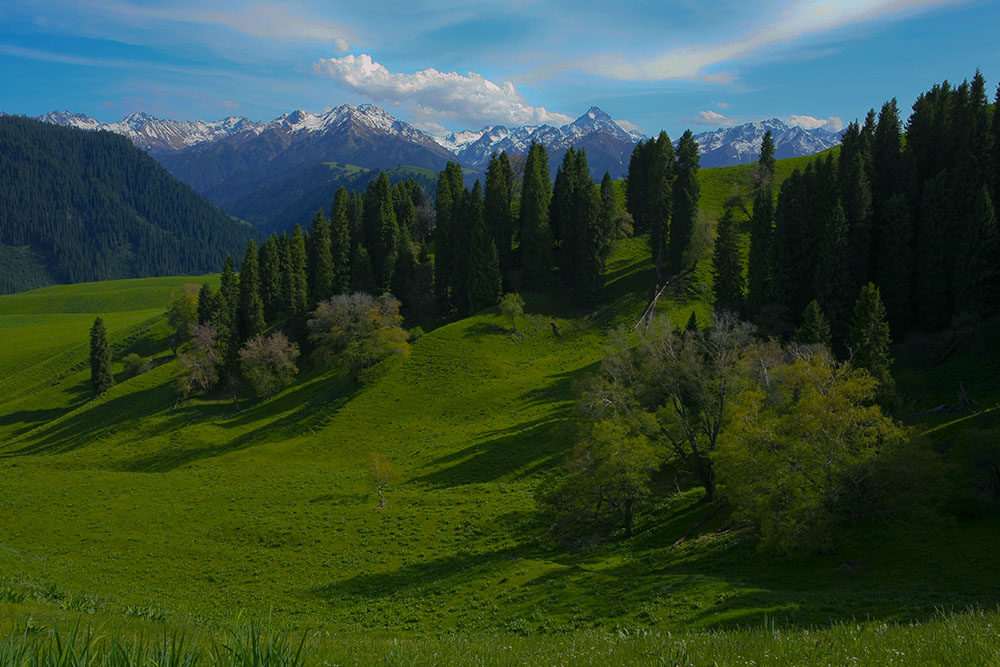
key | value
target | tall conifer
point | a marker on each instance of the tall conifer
(686, 192)
(320, 259)
(727, 285)
(340, 243)
(100, 358)
(535, 249)
(497, 211)
(251, 307)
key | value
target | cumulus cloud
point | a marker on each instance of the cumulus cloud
(433, 95)
(712, 118)
(798, 19)
(831, 124)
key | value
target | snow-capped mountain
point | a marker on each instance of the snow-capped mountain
(741, 144)
(608, 145)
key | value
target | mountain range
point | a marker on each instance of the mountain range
(231, 161)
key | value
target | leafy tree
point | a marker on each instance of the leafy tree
(251, 307)
(382, 473)
(609, 474)
(182, 311)
(797, 445)
(535, 249)
(320, 262)
(686, 191)
(815, 329)
(100, 358)
(340, 243)
(269, 363)
(727, 266)
(870, 340)
(200, 364)
(512, 307)
(358, 329)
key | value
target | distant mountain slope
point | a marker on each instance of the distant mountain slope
(741, 144)
(608, 145)
(83, 206)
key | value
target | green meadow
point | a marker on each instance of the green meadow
(138, 515)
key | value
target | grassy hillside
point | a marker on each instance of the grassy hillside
(137, 507)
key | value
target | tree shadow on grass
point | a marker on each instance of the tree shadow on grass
(519, 451)
(85, 425)
(31, 419)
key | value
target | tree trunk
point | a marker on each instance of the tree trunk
(629, 517)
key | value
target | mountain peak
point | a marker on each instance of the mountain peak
(596, 114)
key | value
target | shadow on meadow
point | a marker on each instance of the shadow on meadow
(520, 450)
(30, 418)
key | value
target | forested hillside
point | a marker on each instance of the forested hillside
(80, 206)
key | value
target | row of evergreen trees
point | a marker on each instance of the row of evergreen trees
(913, 213)
(662, 195)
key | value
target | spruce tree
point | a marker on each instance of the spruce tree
(894, 263)
(251, 307)
(636, 186)
(321, 272)
(727, 267)
(761, 258)
(686, 192)
(443, 205)
(585, 245)
(498, 213)
(535, 250)
(229, 289)
(403, 272)
(362, 273)
(815, 329)
(340, 243)
(100, 358)
(297, 281)
(659, 200)
(832, 276)
(870, 339)
(206, 304)
(608, 211)
(482, 280)
(933, 269)
(380, 222)
(270, 277)
(975, 272)
(853, 169)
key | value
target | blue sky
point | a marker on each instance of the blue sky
(455, 65)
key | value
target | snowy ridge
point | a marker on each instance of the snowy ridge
(163, 135)
(741, 144)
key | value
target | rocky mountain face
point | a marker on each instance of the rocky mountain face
(741, 144)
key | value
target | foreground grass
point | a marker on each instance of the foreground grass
(966, 639)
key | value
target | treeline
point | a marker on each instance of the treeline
(913, 213)
(93, 207)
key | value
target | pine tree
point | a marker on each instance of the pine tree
(815, 329)
(230, 290)
(483, 282)
(297, 281)
(761, 258)
(870, 340)
(854, 167)
(498, 214)
(251, 307)
(659, 200)
(636, 185)
(381, 226)
(585, 245)
(894, 263)
(685, 199)
(933, 270)
(832, 277)
(443, 205)
(608, 212)
(535, 249)
(362, 274)
(100, 358)
(320, 259)
(206, 304)
(975, 273)
(270, 277)
(727, 266)
(403, 272)
(340, 243)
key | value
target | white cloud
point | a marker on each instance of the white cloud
(831, 124)
(712, 118)
(722, 105)
(434, 95)
(628, 126)
(341, 45)
(799, 18)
